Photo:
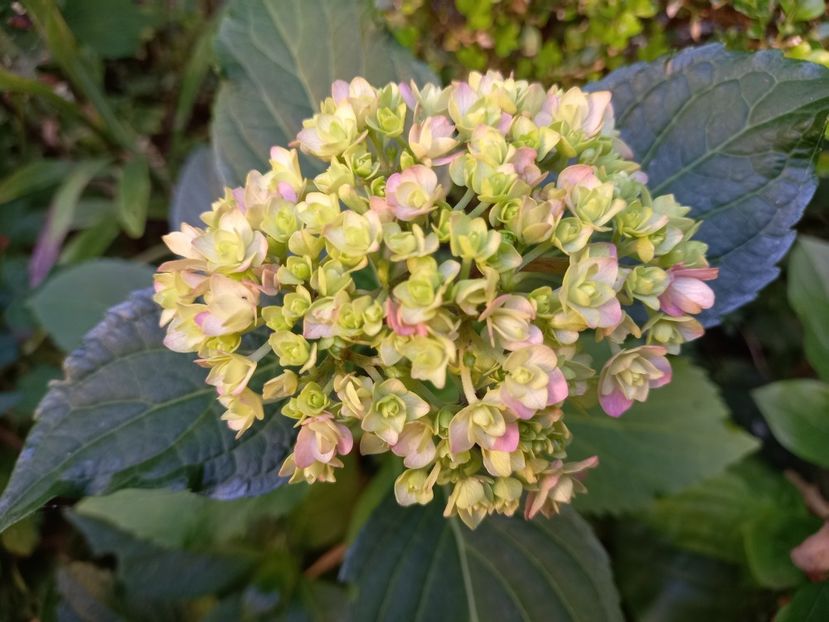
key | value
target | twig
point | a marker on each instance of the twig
(812, 496)
(329, 560)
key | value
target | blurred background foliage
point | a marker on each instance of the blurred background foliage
(102, 101)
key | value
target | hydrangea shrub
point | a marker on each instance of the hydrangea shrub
(432, 291)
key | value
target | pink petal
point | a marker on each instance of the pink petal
(339, 90)
(239, 197)
(518, 409)
(615, 403)
(305, 449)
(459, 440)
(346, 441)
(557, 389)
(662, 364)
(610, 314)
(509, 441)
(286, 191)
(407, 95)
(703, 274)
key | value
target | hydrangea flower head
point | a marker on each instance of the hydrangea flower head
(431, 291)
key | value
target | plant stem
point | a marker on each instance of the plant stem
(329, 560)
(466, 268)
(535, 253)
(465, 199)
(479, 209)
(468, 387)
(260, 352)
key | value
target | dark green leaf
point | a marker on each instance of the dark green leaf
(73, 301)
(133, 195)
(33, 177)
(803, 10)
(711, 518)
(769, 541)
(810, 604)
(63, 47)
(22, 538)
(733, 136)
(160, 573)
(131, 413)
(809, 296)
(323, 517)
(86, 594)
(182, 519)
(662, 584)
(89, 243)
(280, 58)
(797, 412)
(372, 495)
(61, 215)
(412, 564)
(31, 387)
(679, 437)
(198, 186)
(13, 83)
(193, 75)
(112, 28)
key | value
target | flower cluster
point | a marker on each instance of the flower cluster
(429, 293)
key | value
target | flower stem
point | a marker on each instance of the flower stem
(466, 268)
(479, 209)
(468, 387)
(260, 352)
(535, 253)
(465, 199)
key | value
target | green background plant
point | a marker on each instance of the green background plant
(104, 134)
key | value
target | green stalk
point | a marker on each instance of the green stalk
(64, 51)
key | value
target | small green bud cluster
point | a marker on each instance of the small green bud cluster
(428, 294)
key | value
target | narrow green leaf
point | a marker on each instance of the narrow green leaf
(809, 296)
(193, 75)
(13, 83)
(64, 50)
(797, 412)
(33, 177)
(280, 58)
(810, 604)
(89, 243)
(132, 414)
(679, 437)
(413, 564)
(60, 217)
(133, 196)
(76, 299)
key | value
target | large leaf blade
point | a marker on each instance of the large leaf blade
(809, 296)
(74, 300)
(131, 413)
(413, 564)
(679, 437)
(280, 58)
(797, 412)
(733, 136)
